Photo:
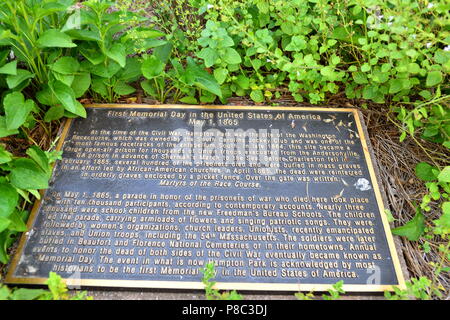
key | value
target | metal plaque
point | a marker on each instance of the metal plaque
(278, 198)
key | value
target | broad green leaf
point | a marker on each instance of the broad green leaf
(444, 175)
(99, 87)
(5, 156)
(149, 88)
(433, 78)
(243, 81)
(132, 70)
(81, 84)
(395, 85)
(232, 56)
(413, 229)
(9, 68)
(220, 75)
(118, 54)
(257, 96)
(66, 79)
(105, 71)
(55, 39)
(424, 171)
(17, 224)
(39, 156)
(8, 199)
(4, 131)
(123, 89)
(209, 84)
(27, 294)
(4, 293)
(4, 224)
(47, 97)
(359, 77)
(16, 110)
(201, 78)
(209, 56)
(163, 52)
(189, 100)
(14, 81)
(152, 67)
(93, 55)
(85, 35)
(66, 65)
(26, 174)
(443, 223)
(66, 97)
(4, 258)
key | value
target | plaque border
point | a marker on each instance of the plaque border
(242, 286)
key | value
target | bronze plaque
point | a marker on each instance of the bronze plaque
(278, 198)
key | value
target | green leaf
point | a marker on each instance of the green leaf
(424, 171)
(433, 78)
(56, 286)
(9, 68)
(4, 258)
(46, 96)
(66, 97)
(99, 87)
(189, 100)
(8, 199)
(413, 229)
(209, 56)
(66, 65)
(66, 79)
(4, 292)
(257, 96)
(4, 132)
(152, 67)
(220, 75)
(39, 156)
(81, 84)
(243, 81)
(443, 223)
(93, 55)
(55, 39)
(359, 77)
(118, 54)
(16, 110)
(232, 56)
(163, 52)
(395, 85)
(5, 156)
(27, 294)
(444, 175)
(201, 78)
(26, 174)
(123, 89)
(105, 71)
(14, 81)
(85, 35)
(17, 224)
(132, 70)
(4, 224)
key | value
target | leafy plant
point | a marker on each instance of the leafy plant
(209, 273)
(23, 176)
(57, 290)
(106, 46)
(415, 289)
(334, 293)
